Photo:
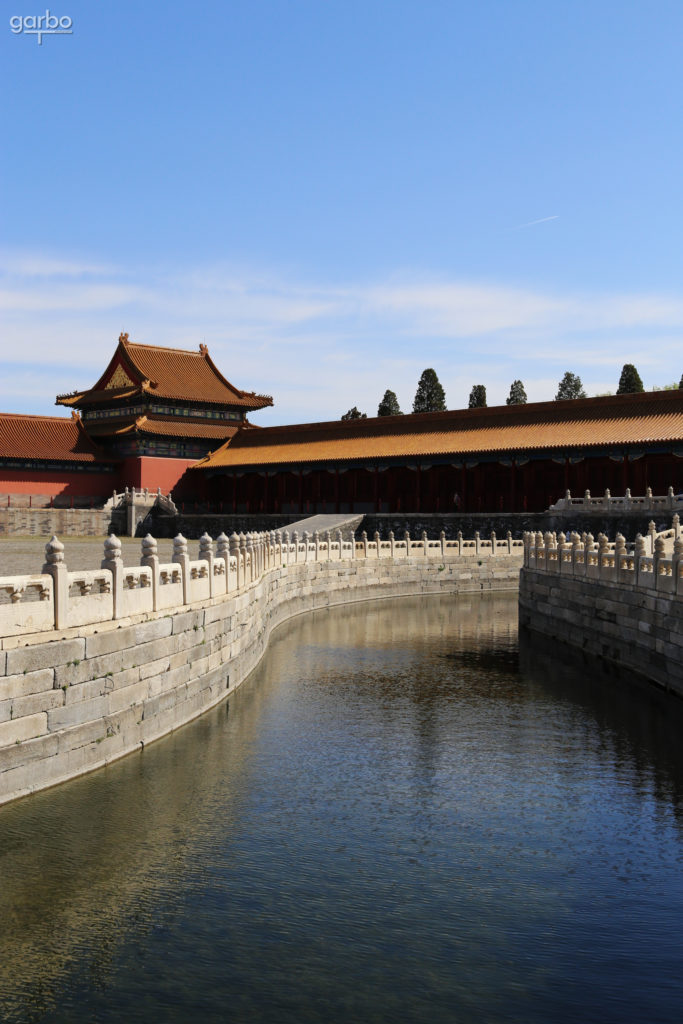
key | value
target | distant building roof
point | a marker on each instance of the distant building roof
(167, 427)
(46, 438)
(652, 417)
(168, 373)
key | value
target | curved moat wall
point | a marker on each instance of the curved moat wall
(75, 700)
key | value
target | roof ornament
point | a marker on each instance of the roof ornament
(123, 338)
(203, 349)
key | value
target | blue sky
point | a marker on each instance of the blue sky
(334, 195)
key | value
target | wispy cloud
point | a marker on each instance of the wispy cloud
(541, 220)
(320, 347)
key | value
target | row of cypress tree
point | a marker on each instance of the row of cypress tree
(430, 395)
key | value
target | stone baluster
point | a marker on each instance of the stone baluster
(657, 559)
(603, 547)
(676, 525)
(235, 553)
(442, 538)
(608, 498)
(285, 554)
(55, 566)
(494, 541)
(206, 555)
(648, 500)
(406, 537)
(627, 497)
(670, 497)
(181, 556)
(587, 497)
(250, 556)
(316, 541)
(620, 570)
(459, 539)
(307, 537)
(150, 557)
(223, 551)
(651, 534)
(328, 542)
(476, 542)
(243, 559)
(295, 541)
(561, 541)
(364, 538)
(377, 542)
(391, 542)
(676, 560)
(340, 542)
(424, 543)
(576, 544)
(639, 552)
(278, 547)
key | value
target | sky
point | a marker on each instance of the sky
(334, 195)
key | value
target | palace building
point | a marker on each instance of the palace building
(153, 413)
(167, 418)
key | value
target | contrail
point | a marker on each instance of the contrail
(541, 220)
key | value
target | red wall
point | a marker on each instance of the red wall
(149, 471)
(54, 482)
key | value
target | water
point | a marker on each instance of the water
(390, 822)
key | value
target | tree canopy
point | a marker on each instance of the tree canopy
(680, 386)
(430, 396)
(570, 387)
(517, 394)
(389, 405)
(478, 397)
(354, 414)
(630, 382)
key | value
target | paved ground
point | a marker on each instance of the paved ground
(26, 555)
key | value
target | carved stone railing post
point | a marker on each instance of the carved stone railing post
(676, 564)
(406, 537)
(476, 542)
(603, 545)
(620, 570)
(150, 557)
(509, 540)
(328, 542)
(442, 538)
(459, 539)
(223, 551)
(295, 542)
(251, 556)
(55, 566)
(235, 553)
(364, 538)
(181, 557)
(307, 538)
(377, 543)
(285, 554)
(340, 542)
(114, 562)
(391, 542)
(639, 552)
(493, 542)
(424, 543)
(278, 547)
(206, 555)
(676, 524)
(243, 559)
(651, 534)
(656, 560)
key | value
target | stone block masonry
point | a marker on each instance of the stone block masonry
(76, 698)
(622, 606)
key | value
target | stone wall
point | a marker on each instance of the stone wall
(75, 699)
(634, 628)
(65, 522)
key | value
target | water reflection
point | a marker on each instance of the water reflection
(390, 823)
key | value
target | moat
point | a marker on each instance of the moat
(400, 816)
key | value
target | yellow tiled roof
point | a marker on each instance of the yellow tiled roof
(595, 422)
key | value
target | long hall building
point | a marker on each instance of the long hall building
(506, 458)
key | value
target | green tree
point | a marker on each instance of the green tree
(517, 394)
(354, 414)
(389, 405)
(680, 386)
(430, 396)
(478, 397)
(630, 382)
(570, 387)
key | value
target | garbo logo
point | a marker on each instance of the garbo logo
(40, 25)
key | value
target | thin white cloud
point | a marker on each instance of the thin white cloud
(541, 220)
(321, 347)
